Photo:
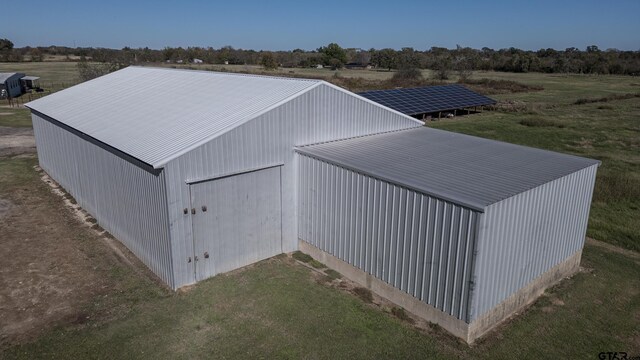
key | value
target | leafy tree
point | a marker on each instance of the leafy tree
(36, 55)
(407, 58)
(385, 58)
(6, 44)
(593, 49)
(6, 49)
(333, 55)
(268, 61)
(88, 71)
(442, 68)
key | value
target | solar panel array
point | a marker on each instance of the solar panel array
(428, 99)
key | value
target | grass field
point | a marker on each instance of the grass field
(280, 309)
(49, 72)
(550, 119)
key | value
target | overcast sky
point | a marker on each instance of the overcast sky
(286, 25)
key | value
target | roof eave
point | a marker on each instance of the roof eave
(478, 207)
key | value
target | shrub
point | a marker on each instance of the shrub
(407, 74)
(268, 61)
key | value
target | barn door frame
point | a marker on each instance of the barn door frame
(193, 211)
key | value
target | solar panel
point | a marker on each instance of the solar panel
(429, 99)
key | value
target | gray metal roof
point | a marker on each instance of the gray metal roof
(467, 170)
(31, 78)
(156, 114)
(5, 76)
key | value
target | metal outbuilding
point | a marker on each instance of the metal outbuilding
(10, 84)
(200, 173)
(147, 150)
(470, 226)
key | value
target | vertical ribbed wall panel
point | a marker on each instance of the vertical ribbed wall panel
(321, 114)
(414, 242)
(126, 200)
(522, 237)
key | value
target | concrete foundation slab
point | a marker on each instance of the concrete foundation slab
(457, 327)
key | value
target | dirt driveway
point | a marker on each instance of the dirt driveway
(16, 141)
(55, 269)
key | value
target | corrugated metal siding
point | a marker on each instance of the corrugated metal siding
(522, 237)
(321, 114)
(127, 201)
(242, 224)
(415, 242)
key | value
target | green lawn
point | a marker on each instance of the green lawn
(277, 309)
(15, 117)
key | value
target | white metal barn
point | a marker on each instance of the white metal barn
(200, 173)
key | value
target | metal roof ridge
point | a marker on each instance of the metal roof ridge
(163, 162)
(370, 101)
(355, 137)
(225, 73)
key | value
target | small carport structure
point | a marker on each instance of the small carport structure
(30, 82)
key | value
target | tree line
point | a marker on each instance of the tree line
(591, 60)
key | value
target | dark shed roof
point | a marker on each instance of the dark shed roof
(467, 170)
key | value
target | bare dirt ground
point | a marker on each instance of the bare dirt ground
(55, 262)
(16, 141)
(54, 259)
(44, 277)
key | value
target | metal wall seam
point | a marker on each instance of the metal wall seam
(523, 236)
(391, 232)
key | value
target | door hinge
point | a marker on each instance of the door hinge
(189, 259)
(193, 210)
